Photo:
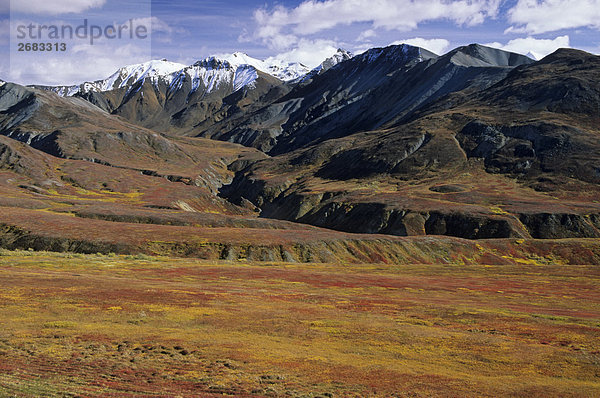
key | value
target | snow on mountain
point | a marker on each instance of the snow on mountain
(339, 56)
(287, 71)
(245, 75)
(153, 70)
(213, 72)
(396, 53)
(282, 70)
(238, 68)
(125, 76)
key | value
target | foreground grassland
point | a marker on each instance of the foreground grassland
(74, 325)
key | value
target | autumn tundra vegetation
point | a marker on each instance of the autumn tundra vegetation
(117, 325)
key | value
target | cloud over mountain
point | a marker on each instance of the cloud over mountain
(538, 48)
(282, 27)
(533, 16)
(438, 46)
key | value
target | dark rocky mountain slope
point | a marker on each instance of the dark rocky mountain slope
(511, 152)
(365, 93)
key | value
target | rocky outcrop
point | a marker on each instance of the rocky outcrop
(532, 149)
(377, 218)
(17, 105)
(553, 226)
(324, 210)
(13, 237)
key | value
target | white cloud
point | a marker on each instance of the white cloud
(153, 24)
(282, 27)
(538, 48)
(437, 46)
(361, 49)
(366, 35)
(309, 52)
(54, 7)
(534, 16)
(82, 62)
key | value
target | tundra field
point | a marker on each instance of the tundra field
(139, 326)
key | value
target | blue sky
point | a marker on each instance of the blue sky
(298, 31)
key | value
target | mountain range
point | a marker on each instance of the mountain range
(478, 143)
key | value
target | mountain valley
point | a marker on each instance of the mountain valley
(476, 144)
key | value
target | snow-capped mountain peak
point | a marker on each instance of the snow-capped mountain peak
(131, 74)
(401, 52)
(211, 73)
(237, 68)
(213, 63)
(280, 69)
(340, 56)
(286, 71)
(240, 58)
(123, 77)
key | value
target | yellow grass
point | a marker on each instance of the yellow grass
(119, 326)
